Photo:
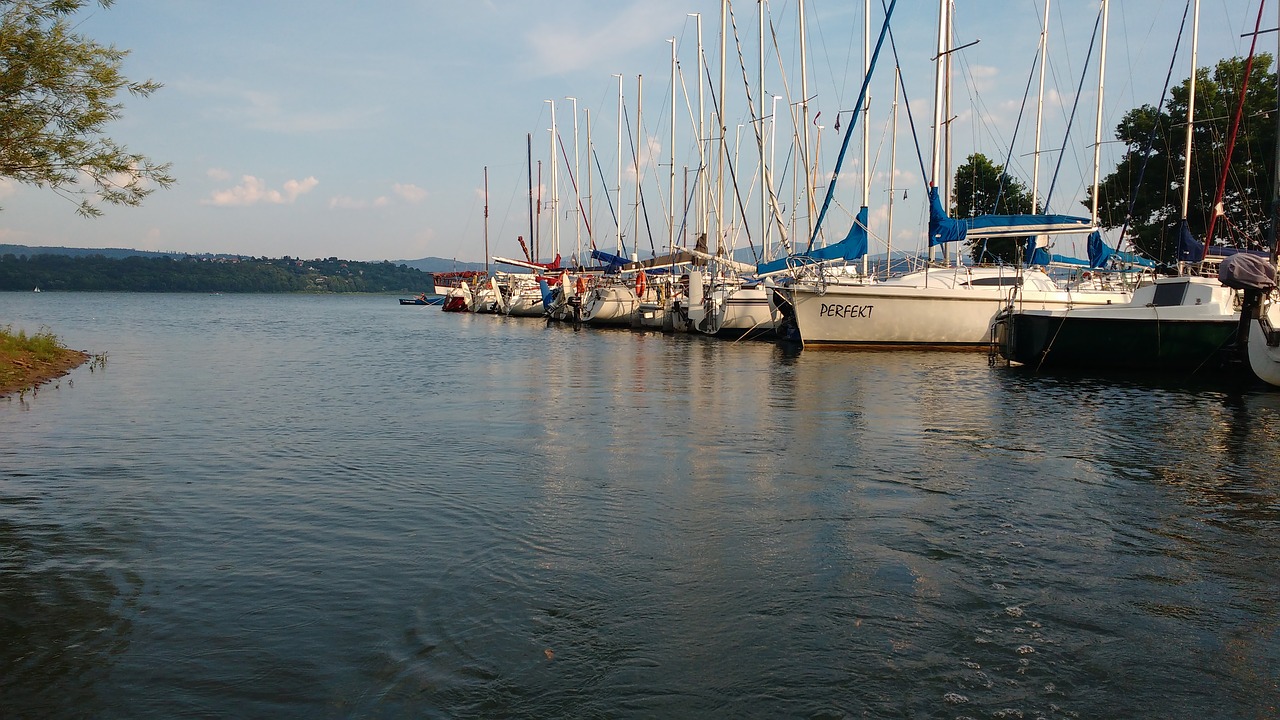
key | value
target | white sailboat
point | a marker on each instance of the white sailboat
(1261, 307)
(948, 307)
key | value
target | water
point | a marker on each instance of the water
(339, 507)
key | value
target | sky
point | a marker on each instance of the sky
(364, 130)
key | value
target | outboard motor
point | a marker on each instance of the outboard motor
(1254, 276)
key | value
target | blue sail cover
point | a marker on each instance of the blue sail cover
(1188, 249)
(1037, 255)
(546, 292)
(613, 262)
(943, 229)
(1191, 250)
(1099, 252)
(852, 247)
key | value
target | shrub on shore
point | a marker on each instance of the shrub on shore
(26, 361)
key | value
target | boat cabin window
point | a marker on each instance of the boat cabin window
(1011, 281)
(1169, 294)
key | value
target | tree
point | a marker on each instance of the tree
(57, 94)
(1157, 200)
(980, 187)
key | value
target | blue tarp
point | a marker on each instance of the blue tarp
(546, 292)
(1191, 250)
(943, 229)
(613, 262)
(1099, 251)
(852, 247)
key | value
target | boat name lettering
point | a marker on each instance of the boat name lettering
(845, 311)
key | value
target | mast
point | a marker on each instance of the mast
(773, 154)
(1191, 110)
(486, 220)
(1273, 246)
(939, 98)
(1097, 133)
(764, 208)
(577, 178)
(893, 167)
(635, 158)
(804, 125)
(701, 186)
(536, 240)
(555, 189)
(1035, 162)
(724, 129)
(671, 178)
(591, 217)
(529, 146)
(866, 117)
(619, 195)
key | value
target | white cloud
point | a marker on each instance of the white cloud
(411, 193)
(252, 191)
(217, 174)
(562, 48)
(346, 202)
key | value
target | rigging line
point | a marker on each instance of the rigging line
(758, 125)
(1231, 139)
(604, 186)
(803, 158)
(643, 208)
(742, 63)
(574, 182)
(911, 122)
(1004, 171)
(1151, 136)
(844, 145)
(684, 219)
(1053, 182)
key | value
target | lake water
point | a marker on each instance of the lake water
(289, 506)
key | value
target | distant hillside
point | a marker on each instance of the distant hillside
(435, 264)
(94, 272)
(427, 264)
(114, 253)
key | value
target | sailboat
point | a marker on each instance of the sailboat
(935, 307)
(1187, 323)
(1260, 311)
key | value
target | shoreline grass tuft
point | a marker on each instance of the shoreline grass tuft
(27, 361)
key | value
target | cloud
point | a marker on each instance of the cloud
(252, 191)
(345, 202)
(276, 112)
(410, 193)
(218, 174)
(590, 43)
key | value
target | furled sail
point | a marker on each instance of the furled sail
(944, 229)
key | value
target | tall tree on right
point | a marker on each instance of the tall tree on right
(1157, 200)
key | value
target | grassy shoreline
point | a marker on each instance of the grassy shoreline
(28, 361)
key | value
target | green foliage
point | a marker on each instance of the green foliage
(980, 187)
(43, 345)
(57, 94)
(1157, 201)
(204, 274)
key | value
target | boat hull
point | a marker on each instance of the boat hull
(613, 305)
(741, 312)
(1087, 342)
(892, 317)
(949, 309)
(1264, 359)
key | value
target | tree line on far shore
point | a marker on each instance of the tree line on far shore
(190, 274)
